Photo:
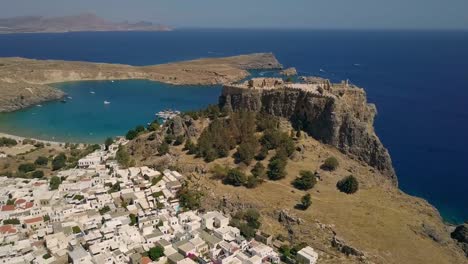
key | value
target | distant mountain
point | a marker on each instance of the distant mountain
(82, 22)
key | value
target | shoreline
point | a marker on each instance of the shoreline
(20, 138)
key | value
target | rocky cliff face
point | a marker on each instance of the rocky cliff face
(338, 115)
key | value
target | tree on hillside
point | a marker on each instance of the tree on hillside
(41, 161)
(38, 174)
(235, 177)
(26, 167)
(330, 164)
(305, 181)
(348, 185)
(189, 198)
(246, 151)
(59, 161)
(277, 168)
(122, 157)
(109, 141)
(306, 201)
(54, 182)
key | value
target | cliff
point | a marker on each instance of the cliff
(335, 114)
(18, 75)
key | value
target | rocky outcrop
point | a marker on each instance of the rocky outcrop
(15, 96)
(460, 234)
(289, 72)
(182, 126)
(337, 114)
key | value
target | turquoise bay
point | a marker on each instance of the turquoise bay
(86, 118)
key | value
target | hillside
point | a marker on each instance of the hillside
(377, 224)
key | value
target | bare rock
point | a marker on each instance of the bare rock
(289, 72)
(341, 245)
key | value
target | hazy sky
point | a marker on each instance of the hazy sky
(323, 14)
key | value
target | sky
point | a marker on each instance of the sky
(315, 14)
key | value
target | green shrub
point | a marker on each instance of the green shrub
(155, 253)
(262, 154)
(258, 170)
(7, 142)
(235, 177)
(11, 221)
(252, 182)
(26, 167)
(190, 146)
(133, 133)
(179, 140)
(277, 168)
(123, 157)
(54, 182)
(163, 148)
(330, 164)
(133, 219)
(247, 221)
(169, 138)
(348, 185)
(190, 199)
(38, 174)
(59, 161)
(246, 151)
(109, 141)
(154, 126)
(305, 181)
(41, 161)
(76, 229)
(105, 209)
(306, 201)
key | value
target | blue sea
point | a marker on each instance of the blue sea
(417, 79)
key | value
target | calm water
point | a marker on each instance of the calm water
(85, 117)
(418, 80)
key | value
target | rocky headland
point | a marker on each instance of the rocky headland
(26, 82)
(335, 114)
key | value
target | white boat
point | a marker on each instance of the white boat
(322, 70)
(92, 92)
(39, 105)
(112, 81)
(69, 97)
(106, 102)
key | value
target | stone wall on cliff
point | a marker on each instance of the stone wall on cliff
(342, 119)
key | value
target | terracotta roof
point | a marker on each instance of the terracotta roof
(33, 220)
(8, 208)
(7, 229)
(145, 260)
(20, 201)
(38, 183)
(28, 205)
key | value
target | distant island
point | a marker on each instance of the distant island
(76, 23)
